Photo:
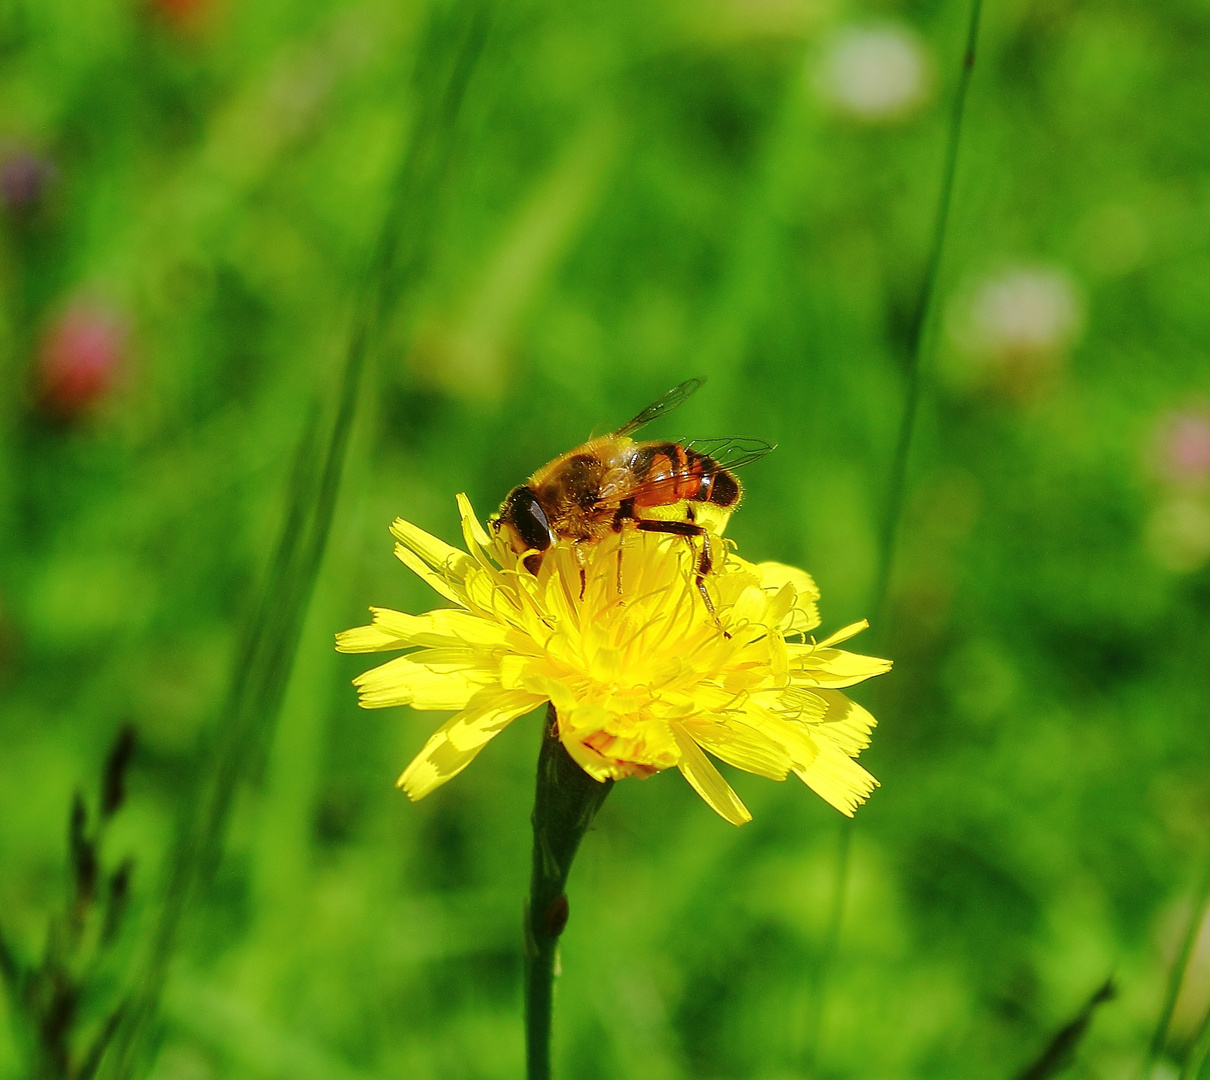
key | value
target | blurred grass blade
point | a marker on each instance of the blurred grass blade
(1060, 1051)
(918, 331)
(1199, 1051)
(446, 55)
(831, 942)
(87, 1068)
(10, 969)
(1176, 978)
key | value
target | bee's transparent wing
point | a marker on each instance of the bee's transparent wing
(734, 452)
(674, 399)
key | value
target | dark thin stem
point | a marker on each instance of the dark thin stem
(919, 328)
(566, 799)
(1060, 1052)
(1177, 978)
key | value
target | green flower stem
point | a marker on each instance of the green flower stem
(566, 799)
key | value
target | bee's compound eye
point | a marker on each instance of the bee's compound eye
(524, 513)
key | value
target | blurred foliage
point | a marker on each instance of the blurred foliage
(623, 196)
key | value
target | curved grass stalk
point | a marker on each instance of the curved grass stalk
(921, 325)
(1176, 979)
(888, 534)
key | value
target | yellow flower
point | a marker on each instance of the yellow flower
(641, 678)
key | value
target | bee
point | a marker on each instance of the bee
(614, 482)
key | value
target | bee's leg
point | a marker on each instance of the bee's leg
(705, 561)
(579, 553)
(625, 513)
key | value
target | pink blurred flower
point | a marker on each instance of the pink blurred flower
(1182, 446)
(79, 360)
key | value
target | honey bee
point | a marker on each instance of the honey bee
(614, 482)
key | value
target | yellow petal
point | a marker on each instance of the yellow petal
(792, 736)
(486, 590)
(838, 779)
(739, 745)
(779, 605)
(796, 703)
(472, 531)
(748, 608)
(454, 746)
(441, 628)
(707, 781)
(448, 561)
(485, 583)
(803, 617)
(775, 575)
(846, 724)
(361, 639)
(843, 634)
(427, 574)
(486, 714)
(779, 659)
(836, 668)
(712, 517)
(429, 679)
(436, 629)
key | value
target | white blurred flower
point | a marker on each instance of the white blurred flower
(1178, 534)
(1013, 328)
(874, 74)
(1024, 310)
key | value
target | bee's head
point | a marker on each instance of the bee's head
(524, 524)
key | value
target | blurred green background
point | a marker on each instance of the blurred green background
(529, 220)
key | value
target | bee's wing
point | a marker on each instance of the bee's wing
(734, 452)
(674, 399)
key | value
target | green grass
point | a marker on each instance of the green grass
(533, 219)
